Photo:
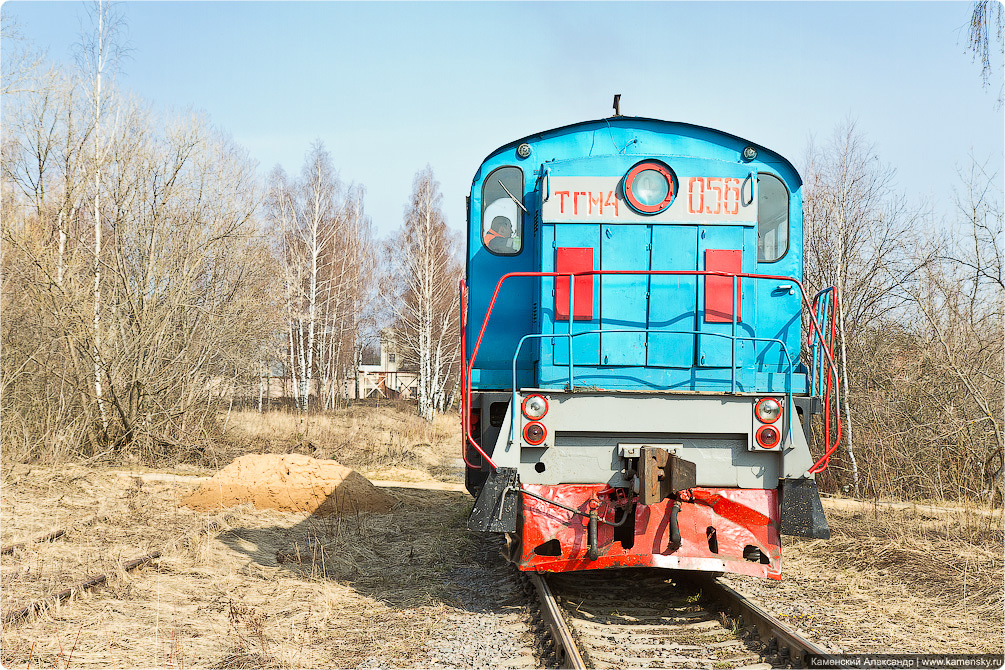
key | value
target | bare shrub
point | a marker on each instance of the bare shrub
(127, 347)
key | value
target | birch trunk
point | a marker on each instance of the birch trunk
(96, 326)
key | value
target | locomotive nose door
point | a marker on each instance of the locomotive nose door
(710, 226)
(722, 199)
(672, 298)
(623, 303)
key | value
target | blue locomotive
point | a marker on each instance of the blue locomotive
(640, 360)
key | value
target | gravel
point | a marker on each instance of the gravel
(491, 622)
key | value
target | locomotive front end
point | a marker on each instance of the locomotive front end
(635, 389)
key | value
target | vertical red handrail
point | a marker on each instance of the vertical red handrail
(466, 390)
(824, 460)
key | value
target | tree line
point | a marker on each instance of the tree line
(920, 324)
(149, 276)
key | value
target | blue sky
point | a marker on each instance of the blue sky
(389, 87)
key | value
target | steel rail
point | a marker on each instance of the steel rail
(39, 605)
(780, 643)
(560, 631)
(11, 548)
(789, 642)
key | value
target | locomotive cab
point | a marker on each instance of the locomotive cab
(635, 385)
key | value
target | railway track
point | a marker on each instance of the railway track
(655, 619)
(37, 606)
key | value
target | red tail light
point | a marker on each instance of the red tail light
(768, 436)
(534, 433)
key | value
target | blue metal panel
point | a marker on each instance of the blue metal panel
(672, 299)
(623, 298)
(714, 351)
(778, 314)
(512, 314)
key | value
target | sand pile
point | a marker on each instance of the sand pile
(290, 483)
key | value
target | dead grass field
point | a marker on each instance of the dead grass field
(240, 587)
(243, 588)
(386, 442)
(237, 588)
(894, 580)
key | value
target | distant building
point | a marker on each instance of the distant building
(389, 379)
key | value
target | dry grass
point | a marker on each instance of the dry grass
(239, 588)
(248, 588)
(894, 580)
(390, 442)
(952, 555)
(234, 589)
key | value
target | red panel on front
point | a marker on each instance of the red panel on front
(574, 259)
(742, 519)
(718, 303)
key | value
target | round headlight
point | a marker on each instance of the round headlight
(649, 187)
(523, 151)
(534, 433)
(535, 406)
(768, 410)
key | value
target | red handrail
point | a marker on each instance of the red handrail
(466, 393)
(824, 460)
(469, 368)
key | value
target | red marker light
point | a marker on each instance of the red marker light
(534, 433)
(768, 436)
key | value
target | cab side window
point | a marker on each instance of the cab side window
(502, 216)
(772, 218)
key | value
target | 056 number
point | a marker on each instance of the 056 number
(713, 195)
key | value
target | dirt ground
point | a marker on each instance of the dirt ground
(243, 587)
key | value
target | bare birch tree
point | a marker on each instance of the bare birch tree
(326, 251)
(99, 53)
(852, 221)
(987, 27)
(424, 293)
(348, 268)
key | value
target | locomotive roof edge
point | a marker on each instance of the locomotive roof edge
(775, 156)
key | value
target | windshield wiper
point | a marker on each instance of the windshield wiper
(512, 197)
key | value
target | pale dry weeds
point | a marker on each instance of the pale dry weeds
(235, 588)
(389, 442)
(257, 588)
(894, 580)
(238, 587)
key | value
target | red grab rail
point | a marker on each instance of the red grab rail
(466, 388)
(828, 348)
(468, 368)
